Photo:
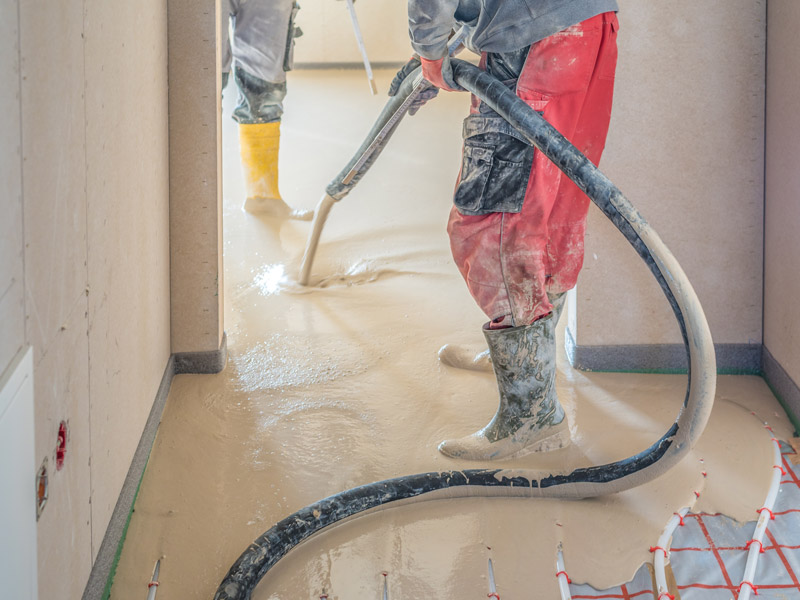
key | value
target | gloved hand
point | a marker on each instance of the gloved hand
(426, 94)
(440, 73)
(404, 72)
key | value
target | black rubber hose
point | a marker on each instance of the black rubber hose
(586, 482)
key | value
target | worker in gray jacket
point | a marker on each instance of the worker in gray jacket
(258, 56)
(517, 225)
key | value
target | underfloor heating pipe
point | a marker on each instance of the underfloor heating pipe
(492, 584)
(755, 545)
(661, 551)
(561, 575)
(584, 482)
(152, 587)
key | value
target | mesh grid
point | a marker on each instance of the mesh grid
(709, 553)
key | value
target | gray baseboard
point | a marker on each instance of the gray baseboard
(100, 577)
(202, 362)
(782, 385)
(661, 358)
(104, 566)
(740, 359)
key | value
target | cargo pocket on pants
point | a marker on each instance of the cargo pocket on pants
(495, 168)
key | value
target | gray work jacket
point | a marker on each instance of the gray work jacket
(495, 25)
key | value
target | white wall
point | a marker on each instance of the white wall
(686, 147)
(782, 260)
(12, 265)
(84, 254)
(127, 248)
(328, 34)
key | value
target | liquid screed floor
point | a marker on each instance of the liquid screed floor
(338, 384)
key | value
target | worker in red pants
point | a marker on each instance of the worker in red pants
(517, 225)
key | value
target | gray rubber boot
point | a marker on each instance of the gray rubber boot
(529, 417)
(557, 300)
(462, 358)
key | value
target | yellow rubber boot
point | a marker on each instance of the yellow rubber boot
(259, 144)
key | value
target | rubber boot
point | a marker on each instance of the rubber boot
(529, 417)
(461, 358)
(259, 144)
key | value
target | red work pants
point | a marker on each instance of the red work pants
(511, 260)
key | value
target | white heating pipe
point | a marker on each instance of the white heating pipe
(561, 574)
(492, 586)
(152, 587)
(660, 553)
(747, 587)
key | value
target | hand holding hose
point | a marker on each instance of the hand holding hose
(440, 73)
(428, 93)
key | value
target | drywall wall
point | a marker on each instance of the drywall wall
(127, 190)
(12, 267)
(782, 243)
(328, 33)
(84, 252)
(686, 146)
(195, 164)
(54, 200)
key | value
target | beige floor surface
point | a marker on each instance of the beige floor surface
(338, 384)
